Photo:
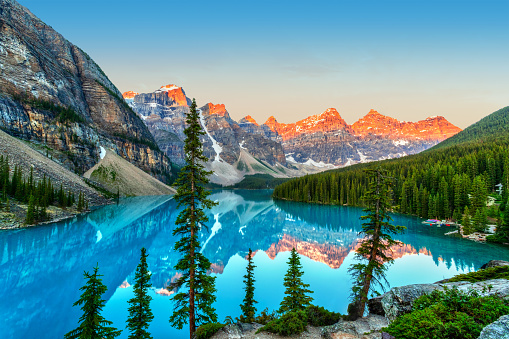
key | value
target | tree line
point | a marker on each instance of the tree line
(37, 194)
(451, 183)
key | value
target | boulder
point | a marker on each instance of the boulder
(497, 330)
(494, 263)
(399, 300)
(367, 327)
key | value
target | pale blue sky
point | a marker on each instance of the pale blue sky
(406, 59)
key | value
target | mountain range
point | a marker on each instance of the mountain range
(319, 142)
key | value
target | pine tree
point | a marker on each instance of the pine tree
(193, 302)
(140, 314)
(92, 323)
(466, 222)
(296, 298)
(248, 308)
(80, 202)
(373, 253)
(30, 217)
(480, 220)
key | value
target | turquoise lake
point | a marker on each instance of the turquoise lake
(41, 268)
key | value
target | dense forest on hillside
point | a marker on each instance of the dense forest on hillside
(451, 182)
(37, 194)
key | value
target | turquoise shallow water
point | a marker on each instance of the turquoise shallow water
(41, 269)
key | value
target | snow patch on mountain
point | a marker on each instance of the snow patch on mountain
(320, 164)
(400, 142)
(102, 154)
(362, 156)
(217, 148)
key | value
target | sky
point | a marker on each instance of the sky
(406, 59)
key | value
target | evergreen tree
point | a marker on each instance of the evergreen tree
(466, 222)
(140, 314)
(373, 253)
(80, 202)
(248, 308)
(30, 217)
(296, 298)
(92, 323)
(480, 220)
(193, 302)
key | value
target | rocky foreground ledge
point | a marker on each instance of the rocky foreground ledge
(384, 309)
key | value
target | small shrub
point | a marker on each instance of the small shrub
(498, 272)
(319, 316)
(208, 330)
(289, 324)
(451, 314)
(265, 317)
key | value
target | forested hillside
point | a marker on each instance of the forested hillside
(446, 182)
(493, 127)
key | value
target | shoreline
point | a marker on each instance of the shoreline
(61, 215)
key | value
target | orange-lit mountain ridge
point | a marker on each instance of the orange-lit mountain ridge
(175, 93)
(328, 121)
(129, 94)
(373, 124)
(433, 128)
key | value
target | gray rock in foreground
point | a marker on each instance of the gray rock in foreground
(399, 300)
(497, 330)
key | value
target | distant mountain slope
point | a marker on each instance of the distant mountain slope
(53, 92)
(118, 175)
(24, 156)
(494, 126)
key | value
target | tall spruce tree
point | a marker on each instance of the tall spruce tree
(140, 314)
(248, 308)
(92, 323)
(30, 217)
(195, 289)
(296, 298)
(373, 254)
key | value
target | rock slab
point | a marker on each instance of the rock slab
(497, 330)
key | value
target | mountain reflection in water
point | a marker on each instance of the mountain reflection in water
(41, 268)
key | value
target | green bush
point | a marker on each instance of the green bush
(497, 238)
(498, 272)
(290, 323)
(449, 315)
(208, 330)
(265, 317)
(319, 316)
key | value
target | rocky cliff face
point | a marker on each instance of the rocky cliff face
(53, 93)
(225, 143)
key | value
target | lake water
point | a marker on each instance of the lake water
(41, 269)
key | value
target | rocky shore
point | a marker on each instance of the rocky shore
(384, 309)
